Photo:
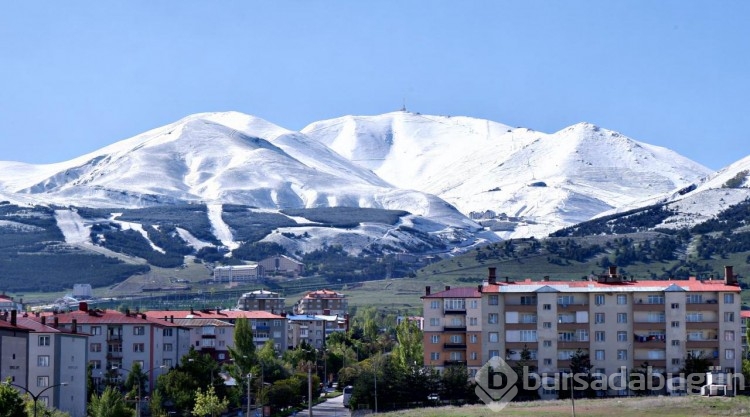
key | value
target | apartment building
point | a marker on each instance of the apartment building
(618, 321)
(116, 341)
(261, 300)
(209, 336)
(266, 326)
(57, 356)
(314, 329)
(323, 302)
(14, 342)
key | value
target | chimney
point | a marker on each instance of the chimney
(127, 312)
(447, 287)
(479, 288)
(56, 322)
(612, 270)
(171, 319)
(546, 278)
(427, 290)
(83, 306)
(143, 316)
(44, 320)
(74, 325)
(507, 280)
(729, 277)
(13, 315)
(191, 310)
(218, 310)
(491, 277)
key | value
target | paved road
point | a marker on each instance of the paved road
(331, 408)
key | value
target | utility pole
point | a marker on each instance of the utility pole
(309, 389)
(249, 379)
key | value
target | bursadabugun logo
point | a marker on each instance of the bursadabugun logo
(496, 383)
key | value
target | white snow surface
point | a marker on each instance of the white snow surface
(438, 167)
(219, 228)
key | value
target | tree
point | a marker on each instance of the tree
(41, 409)
(110, 404)
(155, 404)
(136, 381)
(409, 350)
(209, 403)
(524, 369)
(695, 365)
(243, 351)
(11, 403)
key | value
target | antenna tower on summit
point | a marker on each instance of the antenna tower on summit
(403, 107)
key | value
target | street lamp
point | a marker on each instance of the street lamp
(138, 400)
(249, 385)
(35, 397)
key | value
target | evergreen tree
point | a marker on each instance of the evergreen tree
(110, 404)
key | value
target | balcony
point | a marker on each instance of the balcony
(114, 355)
(448, 311)
(451, 362)
(573, 307)
(702, 324)
(646, 306)
(520, 326)
(572, 326)
(454, 327)
(521, 308)
(454, 345)
(650, 325)
(706, 305)
(114, 338)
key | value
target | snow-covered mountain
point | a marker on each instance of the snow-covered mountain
(519, 181)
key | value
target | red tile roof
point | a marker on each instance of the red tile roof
(96, 316)
(6, 325)
(211, 314)
(459, 292)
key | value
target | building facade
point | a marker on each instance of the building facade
(57, 356)
(261, 300)
(619, 322)
(283, 265)
(322, 302)
(237, 273)
(14, 344)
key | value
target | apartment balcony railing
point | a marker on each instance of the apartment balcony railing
(454, 345)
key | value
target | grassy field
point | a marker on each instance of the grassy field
(620, 407)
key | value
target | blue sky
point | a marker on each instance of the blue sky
(76, 76)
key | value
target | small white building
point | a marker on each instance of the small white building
(83, 291)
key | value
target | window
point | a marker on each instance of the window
(494, 337)
(167, 332)
(547, 307)
(622, 317)
(455, 304)
(728, 353)
(675, 306)
(434, 321)
(547, 325)
(42, 381)
(728, 298)
(457, 338)
(493, 318)
(729, 335)
(599, 355)
(675, 342)
(599, 299)
(547, 361)
(473, 338)
(622, 299)
(474, 356)
(694, 298)
(95, 347)
(622, 355)
(44, 341)
(565, 300)
(599, 336)
(473, 304)
(566, 336)
(728, 316)
(599, 318)
(493, 300)
(96, 330)
(582, 335)
(675, 324)
(167, 347)
(42, 361)
(547, 343)
(435, 304)
(435, 338)
(675, 361)
(138, 347)
(96, 364)
(139, 330)
(622, 336)
(494, 353)
(528, 335)
(528, 318)
(655, 299)
(694, 317)
(473, 321)
(167, 363)
(435, 356)
(528, 300)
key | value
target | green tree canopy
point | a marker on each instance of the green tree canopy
(110, 404)
(209, 403)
